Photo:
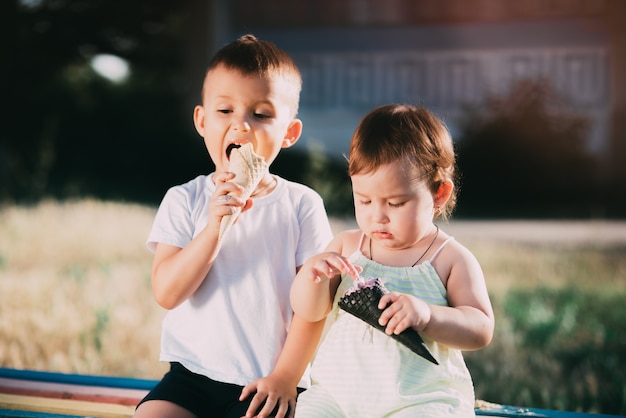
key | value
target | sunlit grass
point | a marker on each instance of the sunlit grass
(75, 294)
(75, 289)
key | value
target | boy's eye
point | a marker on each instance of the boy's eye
(365, 202)
(396, 205)
(225, 111)
(261, 115)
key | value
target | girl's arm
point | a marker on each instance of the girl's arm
(314, 287)
(312, 294)
(470, 315)
(279, 388)
(467, 323)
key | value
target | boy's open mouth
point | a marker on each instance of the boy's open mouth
(230, 148)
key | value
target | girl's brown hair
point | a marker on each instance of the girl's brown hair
(399, 133)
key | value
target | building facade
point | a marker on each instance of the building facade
(446, 54)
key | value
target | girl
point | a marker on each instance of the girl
(402, 169)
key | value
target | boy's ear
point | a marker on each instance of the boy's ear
(198, 119)
(293, 133)
(443, 192)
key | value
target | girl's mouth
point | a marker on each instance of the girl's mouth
(382, 234)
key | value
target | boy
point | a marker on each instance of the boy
(225, 334)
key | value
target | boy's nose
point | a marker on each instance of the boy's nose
(242, 126)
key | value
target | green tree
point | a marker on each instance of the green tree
(523, 154)
(67, 131)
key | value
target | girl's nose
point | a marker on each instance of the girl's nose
(379, 214)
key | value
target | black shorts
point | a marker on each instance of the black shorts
(200, 395)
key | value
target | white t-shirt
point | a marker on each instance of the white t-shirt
(233, 327)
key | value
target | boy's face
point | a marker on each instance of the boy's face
(391, 208)
(237, 109)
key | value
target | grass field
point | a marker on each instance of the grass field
(75, 297)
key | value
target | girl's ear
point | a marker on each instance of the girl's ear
(443, 192)
(293, 133)
(198, 119)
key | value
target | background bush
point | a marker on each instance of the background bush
(69, 133)
(561, 349)
(524, 154)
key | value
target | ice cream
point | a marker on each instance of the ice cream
(249, 168)
(362, 299)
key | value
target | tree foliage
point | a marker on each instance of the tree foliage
(523, 154)
(557, 349)
(67, 131)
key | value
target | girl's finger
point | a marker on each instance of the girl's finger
(386, 300)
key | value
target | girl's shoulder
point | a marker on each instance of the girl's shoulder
(451, 247)
(347, 242)
(453, 255)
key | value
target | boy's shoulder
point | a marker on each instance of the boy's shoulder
(197, 184)
(194, 190)
(298, 189)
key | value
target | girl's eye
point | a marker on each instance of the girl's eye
(224, 111)
(365, 202)
(396, 205)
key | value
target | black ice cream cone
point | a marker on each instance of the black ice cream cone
(363, 303)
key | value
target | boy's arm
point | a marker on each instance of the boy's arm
(279, 388)
(178, 272)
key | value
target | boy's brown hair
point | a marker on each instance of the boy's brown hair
(406, 134)
(256, 58)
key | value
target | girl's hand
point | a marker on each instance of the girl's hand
(403, 311)
(328, 265)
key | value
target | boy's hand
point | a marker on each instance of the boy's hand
(403, 311)
(226, 199)
(273, 396)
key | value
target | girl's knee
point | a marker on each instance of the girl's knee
(317, 403)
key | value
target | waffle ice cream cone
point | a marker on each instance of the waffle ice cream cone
(362, 302)
(249, 168)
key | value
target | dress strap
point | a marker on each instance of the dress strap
(361, 242)
(440, 248)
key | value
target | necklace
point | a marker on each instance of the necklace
(423, 254)
(259, 192)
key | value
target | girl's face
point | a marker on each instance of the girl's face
(238, 109)
(393, 209)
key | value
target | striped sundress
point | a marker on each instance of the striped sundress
(359, 372)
